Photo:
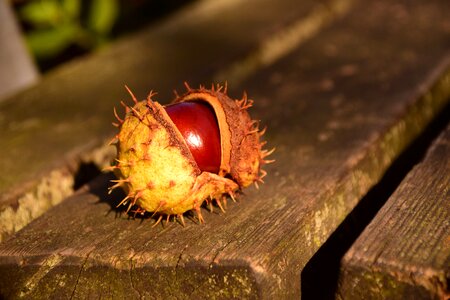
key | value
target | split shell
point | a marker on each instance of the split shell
(240, 145)
(157, 170)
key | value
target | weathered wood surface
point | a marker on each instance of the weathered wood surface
(339, 108)
(404, 253)
(49, 129)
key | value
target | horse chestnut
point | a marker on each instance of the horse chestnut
(203, 146)
(198, 126)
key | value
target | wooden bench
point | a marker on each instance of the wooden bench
(344, 87)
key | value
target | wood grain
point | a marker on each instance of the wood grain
(405, 251)
(339, 108)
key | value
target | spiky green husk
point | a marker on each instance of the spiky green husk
(159, 174)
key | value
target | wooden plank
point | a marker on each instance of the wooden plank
(339, 111)
(47, 130)
(404, 252)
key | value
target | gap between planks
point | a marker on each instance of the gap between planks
(320, 275)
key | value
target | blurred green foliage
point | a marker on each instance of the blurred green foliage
(55, 25)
